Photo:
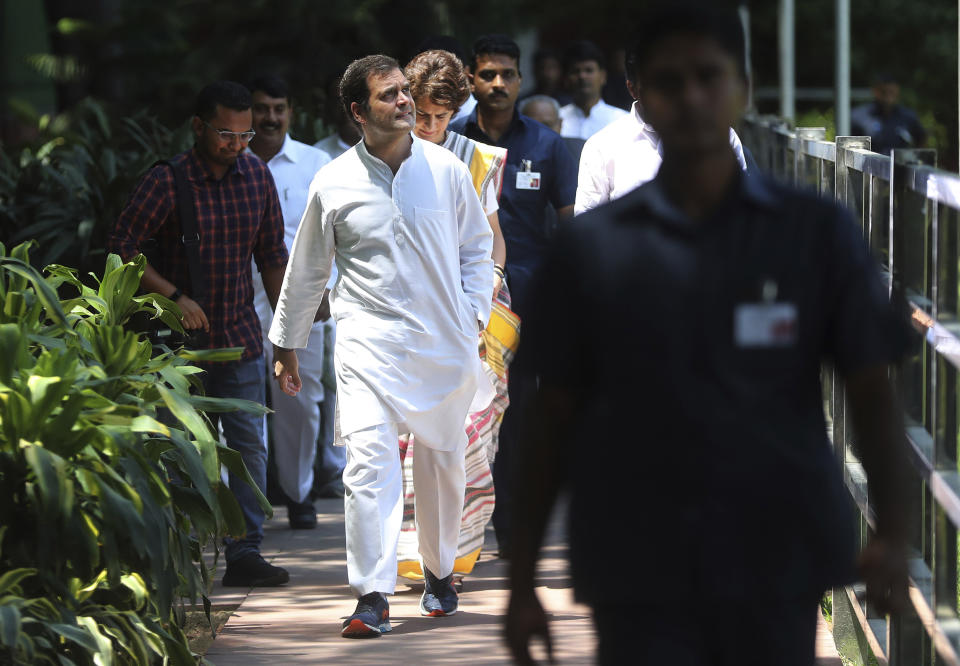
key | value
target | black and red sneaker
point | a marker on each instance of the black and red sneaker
(439, 596)
(370, 619)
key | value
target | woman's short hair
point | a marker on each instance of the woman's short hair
(438, 76)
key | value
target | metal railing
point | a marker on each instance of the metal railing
(910, 215)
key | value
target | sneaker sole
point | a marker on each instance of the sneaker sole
(360, 629)
(435, 613)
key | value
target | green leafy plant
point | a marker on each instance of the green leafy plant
(109, 470)
(69, 186)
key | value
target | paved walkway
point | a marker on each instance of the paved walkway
(300, 622)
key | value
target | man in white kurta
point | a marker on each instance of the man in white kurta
(621, 157)
(296, 422)
(412, 246)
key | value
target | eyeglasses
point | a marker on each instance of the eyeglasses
(227, 135)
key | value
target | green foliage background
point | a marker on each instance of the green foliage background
(109, 471)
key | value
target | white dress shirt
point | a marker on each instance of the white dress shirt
(581, 126)
(293, 169)
(413, 252)
(621, 157)
(466, 109)
(334, 146)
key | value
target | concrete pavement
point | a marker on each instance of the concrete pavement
(300, 622)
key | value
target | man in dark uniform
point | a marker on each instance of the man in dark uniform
(689, 419)
(889, 124)
(539, 172)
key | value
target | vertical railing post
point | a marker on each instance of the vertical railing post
(841, 436)
(804, 134)
(912, 263)
(842, 69)
(787, 58)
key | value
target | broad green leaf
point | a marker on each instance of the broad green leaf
(234, 523)
(149, 424)
(225, 354)
(84, 593)
(44, 291)
(75, 634)
(10, 579)
(134, 583)
(9, 625)
(233, 461)
(12, 348)
(206, 404)
(104, 654)
(48, 468)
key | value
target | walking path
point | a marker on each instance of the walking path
(300, 622)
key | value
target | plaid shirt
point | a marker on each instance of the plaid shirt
(237, 217)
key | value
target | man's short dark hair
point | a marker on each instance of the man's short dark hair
(271, 84)
(229, 94)
(703, 19)
(583, 51)
(495, 44)
(353, 85)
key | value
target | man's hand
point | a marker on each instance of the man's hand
(323, 312)
(193, 315)
(526, 619)
(883, 567)
(286, 370)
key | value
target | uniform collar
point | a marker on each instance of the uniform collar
(473, 126)
(752, 189)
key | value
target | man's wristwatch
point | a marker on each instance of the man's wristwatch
(175, 295)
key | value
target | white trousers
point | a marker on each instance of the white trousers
(373, 506)
(296, 421)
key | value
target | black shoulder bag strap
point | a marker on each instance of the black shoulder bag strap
(190, 235)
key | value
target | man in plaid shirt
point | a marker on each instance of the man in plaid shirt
(238, 218)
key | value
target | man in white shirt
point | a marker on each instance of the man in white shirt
(625, 154)
(347, 133)
(415, 285)
(586, 75)
(296, 423)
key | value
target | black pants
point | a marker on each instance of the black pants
(520, 387)
(761, 632)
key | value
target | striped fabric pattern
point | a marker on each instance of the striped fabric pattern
(497, 346)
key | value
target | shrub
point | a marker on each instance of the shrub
(109, 471)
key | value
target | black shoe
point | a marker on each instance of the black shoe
(302, 515)
(370, 619)
(253, 571)
(439, 596)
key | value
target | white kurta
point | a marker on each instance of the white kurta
(413, 253)
(620, 158)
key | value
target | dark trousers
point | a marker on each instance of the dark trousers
(758, 632)
(520, 387)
